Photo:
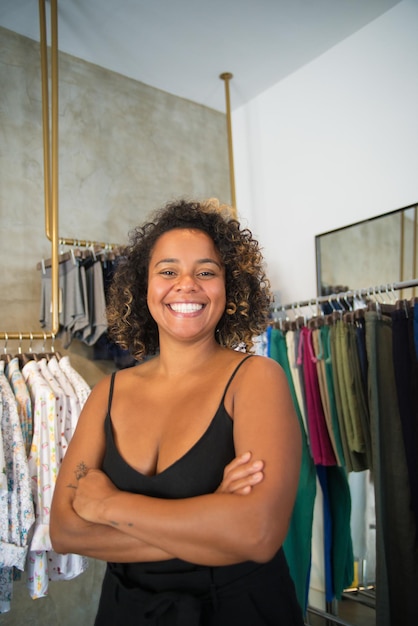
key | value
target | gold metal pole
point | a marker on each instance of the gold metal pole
(51, 186)
(54, 169)
(226, 77)
(14, 336)
(45, 118)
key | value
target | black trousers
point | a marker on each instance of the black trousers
(248, 594)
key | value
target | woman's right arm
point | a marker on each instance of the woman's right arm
(72, 534)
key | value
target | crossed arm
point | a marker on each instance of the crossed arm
(245, 519)
(109, 542)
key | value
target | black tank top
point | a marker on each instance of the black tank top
(176, 592)
(197, 472)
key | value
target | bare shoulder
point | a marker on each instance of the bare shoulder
(259, 368)
(263, 411)
(259, 380)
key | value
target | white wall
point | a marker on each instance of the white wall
(334, 143)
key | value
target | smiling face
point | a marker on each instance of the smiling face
(186, 285)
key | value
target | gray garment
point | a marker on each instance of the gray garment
(73, 312)
(96, 305)
(82, 307)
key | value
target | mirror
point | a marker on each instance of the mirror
(374, 252)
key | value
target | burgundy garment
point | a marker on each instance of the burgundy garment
(320, 442)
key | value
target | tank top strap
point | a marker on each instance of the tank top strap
(112, 384)
(231, 378)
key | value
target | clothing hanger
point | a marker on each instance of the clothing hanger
(317, 318)
(387, 305)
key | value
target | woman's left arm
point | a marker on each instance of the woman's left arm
(219, 528)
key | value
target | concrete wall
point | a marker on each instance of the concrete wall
(124, 149)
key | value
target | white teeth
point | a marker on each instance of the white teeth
(186, 307)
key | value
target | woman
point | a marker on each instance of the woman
(161, 478)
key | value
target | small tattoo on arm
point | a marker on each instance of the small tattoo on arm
(81, 470)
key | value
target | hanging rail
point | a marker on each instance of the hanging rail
(50, 145)
(86, 243)
(96, 248)
(369, 291)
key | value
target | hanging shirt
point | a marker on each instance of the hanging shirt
(43, 468)
(3, 474)
(80, 386)
(73, 403)
(61, 410)
(24, 404)
(48, 448)
(292, 342)
(16, 506)
(63, 566)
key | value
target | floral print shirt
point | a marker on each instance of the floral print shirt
(16, 504)
(24, 404)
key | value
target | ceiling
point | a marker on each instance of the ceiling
(182, 46)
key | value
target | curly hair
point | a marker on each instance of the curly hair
(248, 295)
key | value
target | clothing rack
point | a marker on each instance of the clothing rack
(380, 290)
(50, 149)
(340, 302)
